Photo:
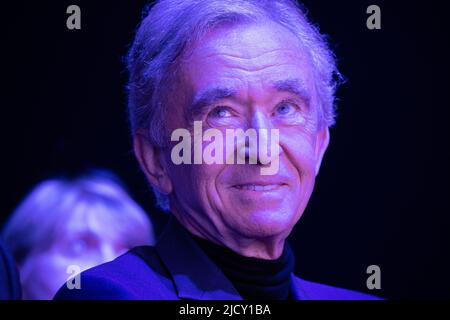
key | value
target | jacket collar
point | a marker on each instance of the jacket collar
(194, 275)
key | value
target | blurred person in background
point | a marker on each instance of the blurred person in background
(72, 224)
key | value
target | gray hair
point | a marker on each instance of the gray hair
(170, 26)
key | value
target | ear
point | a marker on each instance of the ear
(322, 142)
(151, 160)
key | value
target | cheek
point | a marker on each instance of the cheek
(299, 148)
(84, 261)
(45, 271)
(196, 183)
(206, 182)
(47, 265)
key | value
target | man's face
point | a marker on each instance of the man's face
(253, 76)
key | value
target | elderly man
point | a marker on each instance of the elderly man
(227, 65)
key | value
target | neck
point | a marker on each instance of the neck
(263, 247)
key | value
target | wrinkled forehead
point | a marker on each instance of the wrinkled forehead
(246, 55)
(247, 40)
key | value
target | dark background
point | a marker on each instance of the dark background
(382, 196)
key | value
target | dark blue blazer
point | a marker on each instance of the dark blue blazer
(176, 268)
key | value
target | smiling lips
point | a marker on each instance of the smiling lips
(259, 187)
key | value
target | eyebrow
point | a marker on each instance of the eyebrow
(294, 86)
(204, 99)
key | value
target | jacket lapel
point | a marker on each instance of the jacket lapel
(297, 291)
(194, 275)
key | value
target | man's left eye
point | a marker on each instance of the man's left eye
(286, 108)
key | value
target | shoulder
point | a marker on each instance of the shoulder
(307, 290)
(136, 275)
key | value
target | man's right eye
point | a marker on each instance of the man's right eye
(220, 112)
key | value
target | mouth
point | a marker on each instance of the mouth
(259, 187)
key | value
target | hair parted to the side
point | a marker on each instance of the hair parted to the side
(170, 26)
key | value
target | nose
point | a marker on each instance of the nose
(266, 147)
(259, 120)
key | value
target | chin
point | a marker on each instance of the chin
(264, 223)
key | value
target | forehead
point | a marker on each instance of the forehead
(246, 56)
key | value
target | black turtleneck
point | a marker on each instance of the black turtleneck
(254, 279)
